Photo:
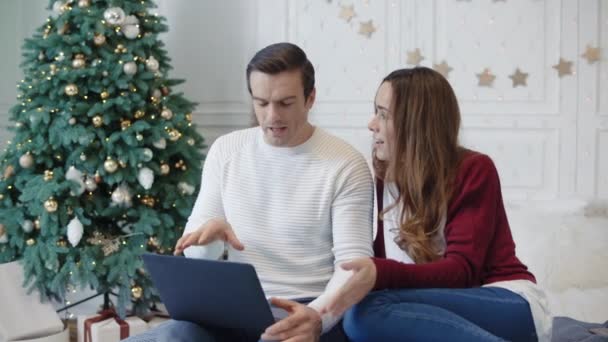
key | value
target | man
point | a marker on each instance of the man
(286, 197)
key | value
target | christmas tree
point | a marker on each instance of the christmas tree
(105, 161)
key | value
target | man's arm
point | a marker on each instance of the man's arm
(208, 206)
(352, 211)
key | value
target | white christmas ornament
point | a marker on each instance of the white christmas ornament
(145, 176)
(114, 16)
(130, 31)
(26, 161)
(75, 175)
(130, 68)
(122, 196)
(185, 188)
(90, 184)
(58, 7)
(148, 154)
(160, 143)
(75, 231)
(27, 226)
(152, 64)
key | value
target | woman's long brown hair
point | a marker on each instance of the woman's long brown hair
(424, 157)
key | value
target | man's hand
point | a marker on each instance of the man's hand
(303, 323)
(212, 230)
(358, 286)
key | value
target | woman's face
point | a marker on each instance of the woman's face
(381, 123)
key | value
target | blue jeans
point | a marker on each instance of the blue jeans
(473, 314)
(182, 331)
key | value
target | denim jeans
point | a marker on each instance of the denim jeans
(182, 331)
(473, 314)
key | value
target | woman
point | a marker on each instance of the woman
(445, 257)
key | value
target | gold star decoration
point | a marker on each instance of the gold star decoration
(486, 78)
(519, 78)
(592, 54)
(563, 67)
(443, 68)
(366, 28)
(414, 57)
(347, 12)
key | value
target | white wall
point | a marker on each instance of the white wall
(548, 139)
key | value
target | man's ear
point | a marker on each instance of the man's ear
(311, 98)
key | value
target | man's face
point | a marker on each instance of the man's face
(280, 107)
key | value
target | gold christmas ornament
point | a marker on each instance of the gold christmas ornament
(84, 3)
(52, 69)
(189, 117)
(414, 57)
(148, 201)
(120, 49)
(124, 124)
(70, 211)
(97, 121)
(50, 205)
(30, 242)
(122, 163)
(71, 89)
(1, 197)
(174, 134)
(137, 292)
(37, 224)
(166, 114)
(486, 78)
(191, 141)
(519, 78)
(78, 61)
(563, 68)
(139, 114)
(62, 243)
(164, 169)
(110, 165)
(99, 39)
(104, 95)
(443, 68)
(48, 175)
(152, 241)
(9, 171)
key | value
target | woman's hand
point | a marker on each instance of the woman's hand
(355, 289)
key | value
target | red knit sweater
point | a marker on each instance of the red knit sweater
(479, 246)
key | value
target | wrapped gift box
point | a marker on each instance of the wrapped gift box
(22, 315)
(108, 327)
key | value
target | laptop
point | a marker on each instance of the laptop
(212, 293)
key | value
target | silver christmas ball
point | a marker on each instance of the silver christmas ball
(90, 184)
(139, 137)
(78, 62)
(26, 161)
(84, 3)
(152, 64)
(114, 16)
(72, 121)
(41, 56)
(130, 68)
(27, 226)
(110, 165)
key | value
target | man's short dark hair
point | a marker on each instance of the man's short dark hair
(280, 57)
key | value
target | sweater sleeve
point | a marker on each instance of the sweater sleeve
(468, 233)
(208, 205)
(351, 218)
